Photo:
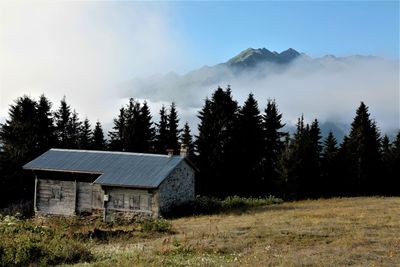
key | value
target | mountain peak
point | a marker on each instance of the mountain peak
(252, 57)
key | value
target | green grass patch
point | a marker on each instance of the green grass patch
(24, 243)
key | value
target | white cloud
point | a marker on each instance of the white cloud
(81, 50)
(327, 89)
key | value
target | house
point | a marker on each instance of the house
(119, 185)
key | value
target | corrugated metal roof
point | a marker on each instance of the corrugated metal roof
(116, 168)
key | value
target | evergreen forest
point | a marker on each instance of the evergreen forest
(239, 150)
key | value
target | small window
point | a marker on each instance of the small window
(118, 201)
(56, 192)
(134, 202)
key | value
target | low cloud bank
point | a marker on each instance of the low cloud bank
(329, 89)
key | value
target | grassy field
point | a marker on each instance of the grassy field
(337, 232)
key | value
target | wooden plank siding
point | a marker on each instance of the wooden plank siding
(67, 197)
(130, 204)
(89, 197)
(55, 197)
(127, 199)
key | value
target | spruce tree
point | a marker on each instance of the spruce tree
(19, 139)
(19, 133)
(215, 143)
(146, 130)
(86, 135)
(74, 131)
(249, 140)
(172, 129)
(186, 140)
(117, 136)
(131, 132)
(314, 171)
(99, 142)
(62, 118)
(329, 166)
(294, 168)
(364, 149)
(386, 178)
(345, 182)
(204, 146)
(45, 125)
(273, 145)
(162, 132)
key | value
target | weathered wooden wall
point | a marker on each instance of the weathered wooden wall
(55, 197)
(89, 197)
(127, 203)
(67, 197)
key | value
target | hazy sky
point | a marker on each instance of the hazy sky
(85, 49)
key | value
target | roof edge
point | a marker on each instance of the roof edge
(58, 170)
(124, 186)
(112, 152)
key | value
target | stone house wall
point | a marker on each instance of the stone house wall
(177, 187)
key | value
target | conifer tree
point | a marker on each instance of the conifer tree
(86, 135)
(249, 140)
(314, 168)
(386, 178)
(173, 131)
(364, 151)
(162, 132)
(273, 145)
(117, 135)
(99, 142)
(45, 125)
(214, 143)
(329, 166)
(293, 168)
(18, 134)
(19, 139)
(74, 131)
(204, 146)
(187, 140)
(146, 130)
(131, 131)
(62, 119)
(345, 182)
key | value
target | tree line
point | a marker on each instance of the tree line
(239, 150)
(33, 128)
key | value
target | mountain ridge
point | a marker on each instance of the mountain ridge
(251, 57)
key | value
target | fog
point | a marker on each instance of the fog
(328, 88)
(82, 50)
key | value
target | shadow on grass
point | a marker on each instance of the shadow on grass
(233, 205)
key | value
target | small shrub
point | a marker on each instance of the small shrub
(236, 202)
(24, 243)
(21, 209)
(157, 225)
(61, 250)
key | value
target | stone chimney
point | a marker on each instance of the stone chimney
(170, 152)
(184, 152)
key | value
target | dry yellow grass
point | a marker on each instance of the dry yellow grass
(336, 232)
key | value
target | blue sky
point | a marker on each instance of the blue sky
(218, 30)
